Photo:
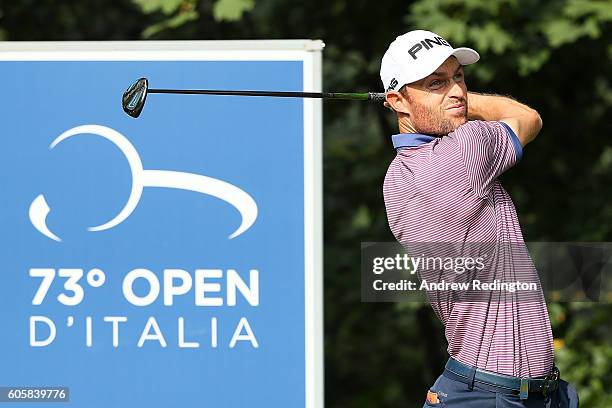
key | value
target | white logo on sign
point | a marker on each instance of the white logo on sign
(141, 178)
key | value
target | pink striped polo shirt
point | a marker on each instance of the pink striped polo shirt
(446, 190)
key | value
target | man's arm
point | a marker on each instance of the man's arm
(523, 120)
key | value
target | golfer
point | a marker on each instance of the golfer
(442, 187)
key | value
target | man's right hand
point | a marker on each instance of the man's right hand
(523, 120)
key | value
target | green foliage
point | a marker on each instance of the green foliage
(165, 6)
(231, 10)
(583, 358)
(525, 29)
(175, 21)
(176, 13)
(555, 55)
(577, 18)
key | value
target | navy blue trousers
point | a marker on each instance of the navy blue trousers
(454, 394)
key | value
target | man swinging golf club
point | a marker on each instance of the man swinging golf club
(442, 187)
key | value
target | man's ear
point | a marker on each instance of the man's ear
(397, 102)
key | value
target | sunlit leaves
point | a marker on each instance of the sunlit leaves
(174, 13)
(231, 10)
(524, 29)
(165, 6)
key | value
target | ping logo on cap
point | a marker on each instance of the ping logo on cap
(428, 43)
(392, 85)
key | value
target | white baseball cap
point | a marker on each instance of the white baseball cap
(415, 55)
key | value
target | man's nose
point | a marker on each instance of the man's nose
(456, 91)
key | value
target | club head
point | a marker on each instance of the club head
(134, 97)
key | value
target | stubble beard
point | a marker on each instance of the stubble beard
(432, 121)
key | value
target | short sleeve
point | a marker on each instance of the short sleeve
(488, 149)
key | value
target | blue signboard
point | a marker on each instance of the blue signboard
(170, 260)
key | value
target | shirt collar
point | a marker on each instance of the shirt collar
(410, 140)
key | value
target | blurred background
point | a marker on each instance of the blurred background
(554, 55)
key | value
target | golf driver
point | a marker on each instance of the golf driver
(135, 96)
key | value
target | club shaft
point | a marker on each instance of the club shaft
(363, 96)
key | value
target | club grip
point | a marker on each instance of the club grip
(376, 96)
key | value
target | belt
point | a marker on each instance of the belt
(500, 382)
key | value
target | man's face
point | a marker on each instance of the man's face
(437, 104)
